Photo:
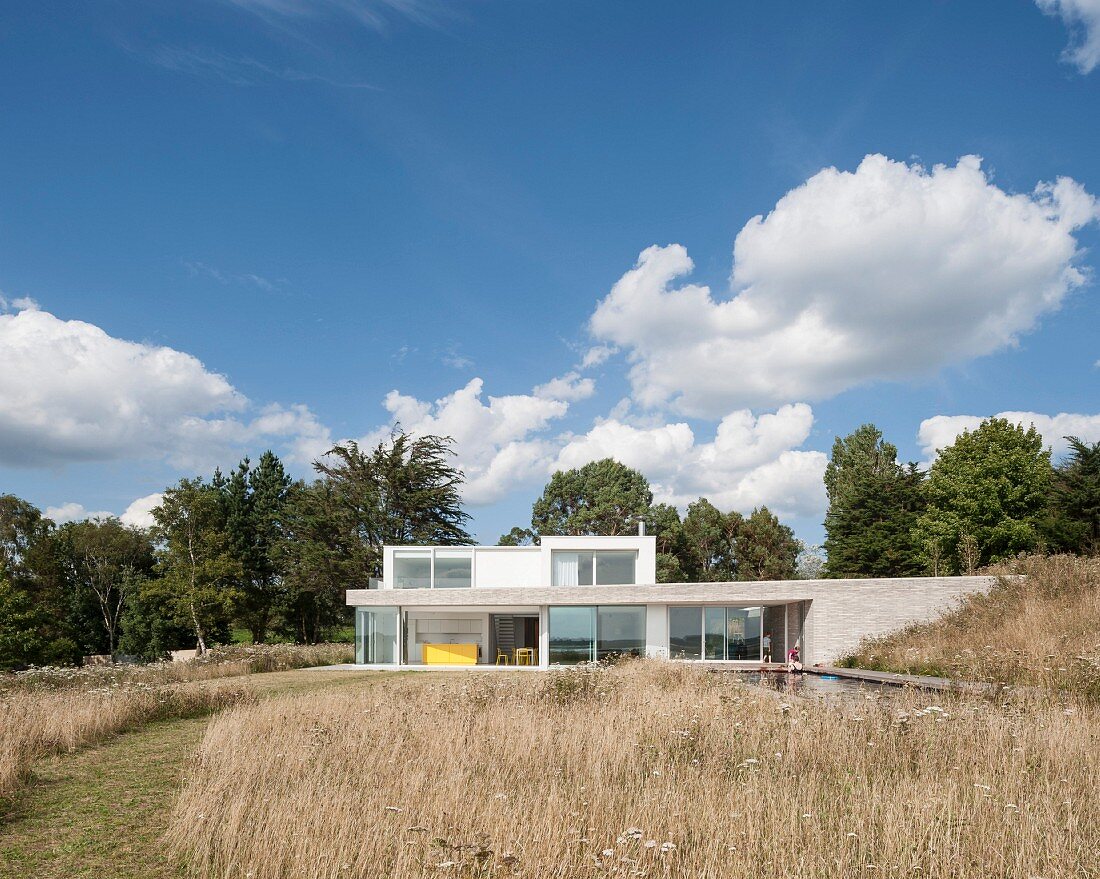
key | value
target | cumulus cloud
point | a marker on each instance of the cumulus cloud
(1082, 19)
(140, 512)
(70, 392)
(752, 460)
(940, 431)
(888, 272)
(74, 512)
(570, 387)
(497, 442)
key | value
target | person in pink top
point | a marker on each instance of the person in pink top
(794, 660)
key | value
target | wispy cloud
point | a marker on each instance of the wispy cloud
(239, 70)
(374, 14)
(455, 359)
(248, 279)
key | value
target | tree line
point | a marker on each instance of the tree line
(991, 495)
(253, 551)
(706, 545)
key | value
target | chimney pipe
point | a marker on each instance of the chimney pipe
(641, 528)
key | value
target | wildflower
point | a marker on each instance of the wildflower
(651, 843)
(806, 815)
(634, 832)
(667, 847)
(608, 852)
(393, 809)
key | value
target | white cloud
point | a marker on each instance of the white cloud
(596, 355)
(74, 512)
(140, 513)
(940, 431)
(1082, 20)
(888, 272)
(496, 442)
(70, 392)
(751, 462)
(570, 387)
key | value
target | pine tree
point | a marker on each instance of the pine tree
(874, 504)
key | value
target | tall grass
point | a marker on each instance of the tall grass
(35, 724)
(50, 710)
(1042, 629)
(642, 770)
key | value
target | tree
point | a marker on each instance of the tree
(322, 554)
(29, 555)
(710, 536)
(404, 492)
(766, 549)
(874, 504)
(198, 571)
(22, 625)
(986, 497)
(518, 537)
(106, 561)
(255, 500)
(1075, 500)
(662, 521)
(603, 497)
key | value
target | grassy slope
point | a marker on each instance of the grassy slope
(101, 811)
(1041, 630)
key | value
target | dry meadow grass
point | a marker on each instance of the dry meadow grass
(640, 770)
(1041, 630)
(51, 710)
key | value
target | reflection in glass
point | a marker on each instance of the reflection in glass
(412, 570)
(714, 632)
(615, 568)
(620, 631)
(376, 635)
(743, 633)
(685, 632)
(572, 635)
(454, 569)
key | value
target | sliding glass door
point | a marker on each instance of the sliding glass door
(715, 633)
(376, 635)
(584, 634)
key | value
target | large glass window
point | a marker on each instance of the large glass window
(376, 635)
(714, 632)
(743, 633)
(726, 633)
(620, 631)
(602, 567)
(454, 569)
(572, 635)
(412, 569)
(615, 568)
(685, 633)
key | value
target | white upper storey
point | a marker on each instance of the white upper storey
(559, 561)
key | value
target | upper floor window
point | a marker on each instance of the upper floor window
(454, 569)
(412, 569)
(600, 567)
(433, 569)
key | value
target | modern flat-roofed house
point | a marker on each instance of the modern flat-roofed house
(579, 599)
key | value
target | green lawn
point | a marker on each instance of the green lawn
(99, 813)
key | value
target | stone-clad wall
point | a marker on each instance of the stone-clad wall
(837, 613)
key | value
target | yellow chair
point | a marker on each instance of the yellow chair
(525, 656)
(502, 655)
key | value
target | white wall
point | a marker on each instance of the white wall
(656, 631)
(504, 567)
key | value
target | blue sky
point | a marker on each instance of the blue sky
(316, 203)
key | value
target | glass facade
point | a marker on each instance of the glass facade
(602, 568)
(376, 635)
(719, 633)
(412, 569)
(572, 635)
(454, 569)
(620, 631)
(685, 633)
(584, 634)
